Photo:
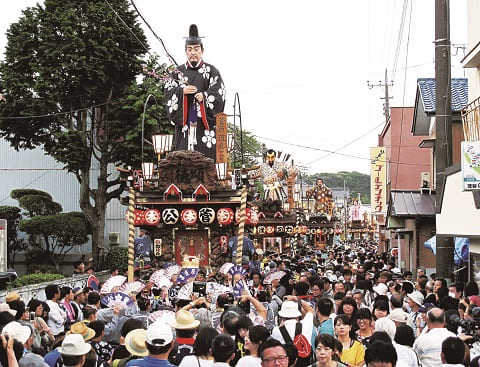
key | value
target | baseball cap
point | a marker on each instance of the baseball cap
(159, 334)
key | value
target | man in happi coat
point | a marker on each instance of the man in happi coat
(195, 94)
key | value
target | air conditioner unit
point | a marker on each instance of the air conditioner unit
(114, 238)
(425, 180)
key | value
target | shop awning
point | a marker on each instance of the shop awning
(461, 251)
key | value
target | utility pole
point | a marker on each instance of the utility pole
(443, 128)
(386, 105)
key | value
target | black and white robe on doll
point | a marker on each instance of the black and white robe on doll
(195, 122)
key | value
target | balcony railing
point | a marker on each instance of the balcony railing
(471, 120)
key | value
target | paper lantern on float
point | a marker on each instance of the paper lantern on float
(303, 229)
(138, 217)
(152, 217)
(224, 244)
(251, 217)
(261, 229)
(289, 229)
(225, 216)
(206, 215)
(170, 216)
(270, 229)
(189, 216)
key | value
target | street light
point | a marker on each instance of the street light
(221, 171)
(147, 168)
(230, 142)
(162, 143)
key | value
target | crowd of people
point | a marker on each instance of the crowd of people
(346, 305)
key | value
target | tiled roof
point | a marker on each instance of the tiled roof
(459, 93)
(412, 203)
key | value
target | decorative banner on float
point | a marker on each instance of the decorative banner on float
(221, 131)
(378, 177)
(471, 165)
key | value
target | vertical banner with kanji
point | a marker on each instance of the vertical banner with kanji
(221, 133)
(378, 180)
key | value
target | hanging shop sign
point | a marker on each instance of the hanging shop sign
(378, 177)
(471, 165)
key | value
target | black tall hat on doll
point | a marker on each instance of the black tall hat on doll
(193, 37)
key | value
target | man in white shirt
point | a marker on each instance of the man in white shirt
(429, 346)
(56, 316)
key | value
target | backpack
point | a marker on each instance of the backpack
(300, 342)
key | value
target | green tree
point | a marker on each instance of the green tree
(14, 245)
(55, 235)
(70, 69)
(51, 234)
(252, 148)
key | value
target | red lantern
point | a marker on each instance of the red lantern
(252, 217)
(152, 217)
(189, 217)
(225, 216)
(394, 252)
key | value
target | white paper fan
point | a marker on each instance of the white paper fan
(130, 287)
(120, 300)
(186, 291)
(225, 268)
(162, 273)
(166, 316)
(173, 269)
(215, 288)
(273, 275)
(112, 282)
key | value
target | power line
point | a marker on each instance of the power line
(333, 152)
(34, 180)
(404, 92)
(130, 30)
(153, 32)
(400, 38)
(56, 113)
(347, 144)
